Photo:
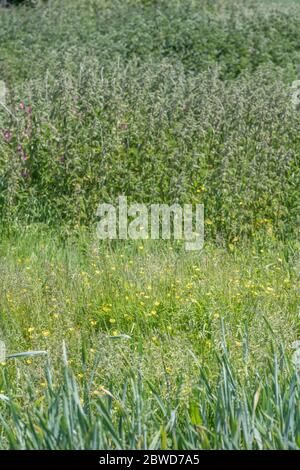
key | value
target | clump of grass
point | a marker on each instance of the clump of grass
(147, 364)
(259, 412)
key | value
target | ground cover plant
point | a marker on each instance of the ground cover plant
(148, 346)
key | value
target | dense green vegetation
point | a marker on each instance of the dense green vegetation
(149, 346)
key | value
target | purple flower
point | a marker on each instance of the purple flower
(24, 173)
(7, 135)
(22, 152)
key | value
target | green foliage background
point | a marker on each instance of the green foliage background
(149, 346)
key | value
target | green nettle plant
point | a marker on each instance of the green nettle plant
(154, 134)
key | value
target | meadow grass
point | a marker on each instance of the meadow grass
(165, 349)
(149, 346)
